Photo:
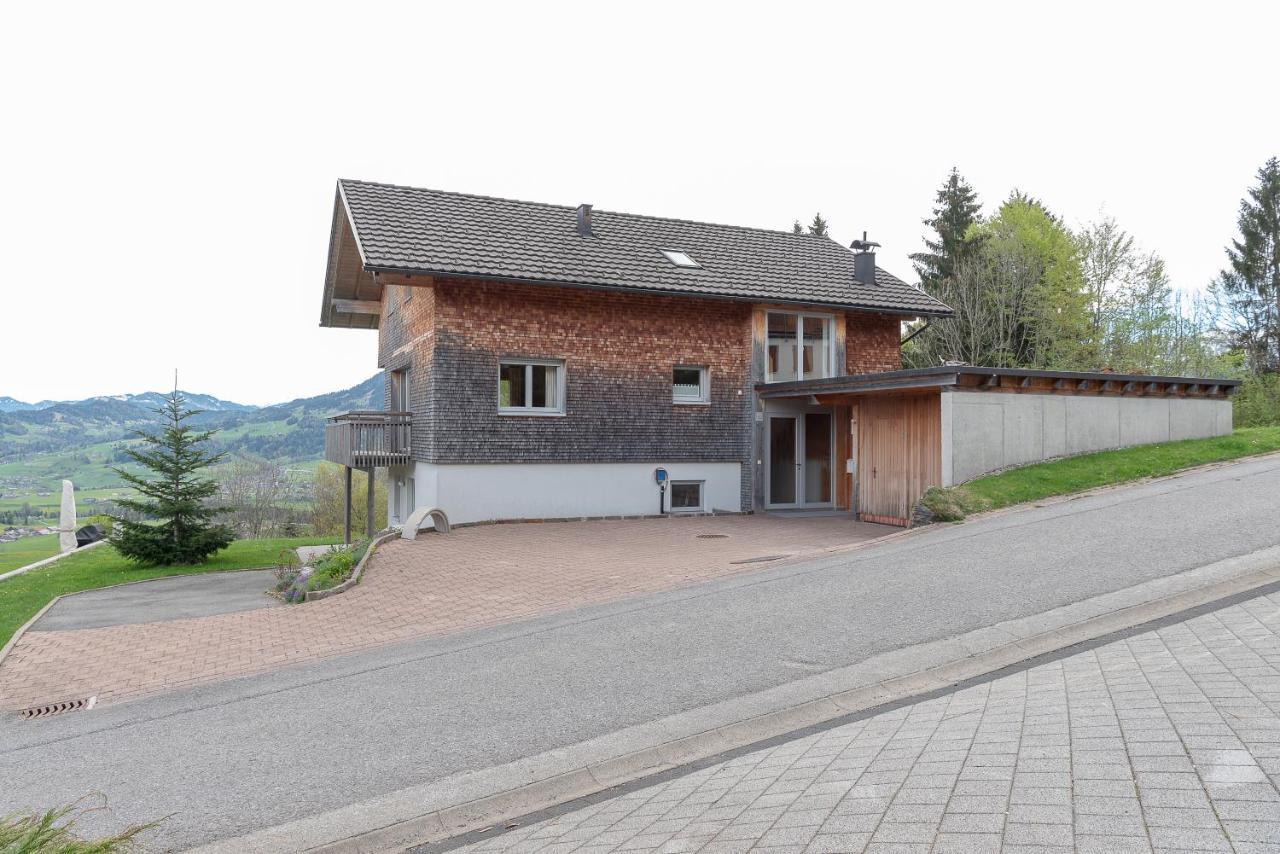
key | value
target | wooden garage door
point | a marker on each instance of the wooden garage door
(899, 455)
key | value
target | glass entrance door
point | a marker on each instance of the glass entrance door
(784, 472)
(801, 454)
(817, 458)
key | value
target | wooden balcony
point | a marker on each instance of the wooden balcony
(367, 440)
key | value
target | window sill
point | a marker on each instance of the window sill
(537, 413)
(691, 403)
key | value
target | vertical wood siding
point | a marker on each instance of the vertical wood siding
(899, 455)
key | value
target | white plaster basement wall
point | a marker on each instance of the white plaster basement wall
(985, 431)
(486, 492)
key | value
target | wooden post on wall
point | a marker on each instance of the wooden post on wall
(853, 455)
(756, 425)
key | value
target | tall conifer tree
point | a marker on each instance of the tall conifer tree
(956, 209)
(178, 526)
(1249, 288)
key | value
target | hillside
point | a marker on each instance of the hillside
(43, 443)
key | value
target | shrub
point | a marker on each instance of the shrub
(952, 504)
(1257, 401)
(332, 569)
(287, 569)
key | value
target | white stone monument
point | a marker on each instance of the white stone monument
(67, 522)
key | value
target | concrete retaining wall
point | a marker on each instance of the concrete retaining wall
(986, 431)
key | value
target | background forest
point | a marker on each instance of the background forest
(1029, 291)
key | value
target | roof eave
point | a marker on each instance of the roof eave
(661, 291)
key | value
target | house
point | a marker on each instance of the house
(546, 361)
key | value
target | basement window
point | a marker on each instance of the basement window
(690, 385)
(680, 259)
(530, 387)
(686, 496)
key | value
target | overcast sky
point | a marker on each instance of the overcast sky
(169, 169)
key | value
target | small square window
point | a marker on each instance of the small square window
(686, 496)
(679, 258)
(689, 384)
(531, 388)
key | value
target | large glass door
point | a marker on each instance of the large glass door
(817, 458)
(801, 454)
(784, 472)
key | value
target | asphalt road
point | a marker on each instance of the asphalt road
(228, 758)
(161, 599)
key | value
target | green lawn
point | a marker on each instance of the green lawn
(27, 550)
(1089, 471)
(24, 595)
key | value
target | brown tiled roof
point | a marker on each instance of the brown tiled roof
(409, 230)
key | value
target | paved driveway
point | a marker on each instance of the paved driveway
(161, 599)
(475, 576)
(1166, 741)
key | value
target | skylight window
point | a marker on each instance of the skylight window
(680, 259)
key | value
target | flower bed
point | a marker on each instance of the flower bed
(294, 581)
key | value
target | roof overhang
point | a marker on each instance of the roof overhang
(352, 296)
(1024, 380)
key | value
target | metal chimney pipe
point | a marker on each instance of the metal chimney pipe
(864, 260)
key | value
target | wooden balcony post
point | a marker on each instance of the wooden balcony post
(368, 507)
(346, 522)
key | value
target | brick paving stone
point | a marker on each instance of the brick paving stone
(474, 577)
(1155, 743)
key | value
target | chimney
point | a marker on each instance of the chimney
(584, 221)
(864, 260)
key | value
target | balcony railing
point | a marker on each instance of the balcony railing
(367, 440)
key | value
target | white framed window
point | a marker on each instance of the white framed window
(530, 387)
(799, 346)
(690, 384)
(686, 496)
(680, 258)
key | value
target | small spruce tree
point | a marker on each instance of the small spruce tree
(819, 226)
(178, 526)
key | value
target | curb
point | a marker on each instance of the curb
(981, 652)
(46, 561)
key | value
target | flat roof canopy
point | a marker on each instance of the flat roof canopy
(975, 378)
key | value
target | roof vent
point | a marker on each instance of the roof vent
(864, 260)
(584, 221)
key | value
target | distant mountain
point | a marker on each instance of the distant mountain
(8, 404)
(91, 429)
(147, 398)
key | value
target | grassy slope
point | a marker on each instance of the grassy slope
(26, 550)
(1089, 471)
(23, 595)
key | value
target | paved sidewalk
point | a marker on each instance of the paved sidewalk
(473, 577)
(1166, 741)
